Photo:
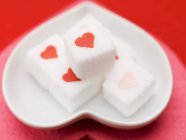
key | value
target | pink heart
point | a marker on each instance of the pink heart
(128, 80)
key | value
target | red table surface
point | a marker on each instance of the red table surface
(164, 18)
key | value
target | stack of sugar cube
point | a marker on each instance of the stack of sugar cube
(75, 67)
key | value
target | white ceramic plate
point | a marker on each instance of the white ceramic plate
(33, 106)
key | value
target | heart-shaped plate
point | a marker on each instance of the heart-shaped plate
(33, 106)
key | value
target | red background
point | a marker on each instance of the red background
(164, 18)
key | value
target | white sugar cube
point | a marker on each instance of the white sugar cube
(71, 91)
(128, 87)
(90, 48)
(42, 60)
(123, 50)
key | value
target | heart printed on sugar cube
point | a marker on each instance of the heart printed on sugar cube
(70, 76)
(87, 40)
(128, 80)
(116, 57)
(49, 53)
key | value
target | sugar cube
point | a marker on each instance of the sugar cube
(43, 59)
(128, 87)
(72, 91)
(90, 48)
(123, 50)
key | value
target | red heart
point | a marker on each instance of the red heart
(87, 40)
(116, 57)
(70, 76)
(49, 53)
